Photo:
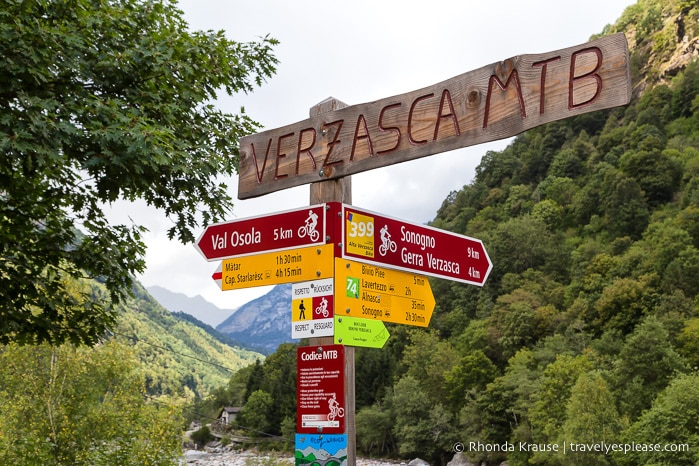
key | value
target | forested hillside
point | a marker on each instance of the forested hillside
(587, 330)
(178, 357)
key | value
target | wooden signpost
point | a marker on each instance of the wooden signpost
(494, 102)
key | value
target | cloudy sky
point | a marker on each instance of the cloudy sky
(357, 52)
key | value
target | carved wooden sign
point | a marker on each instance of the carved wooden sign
(494, 102)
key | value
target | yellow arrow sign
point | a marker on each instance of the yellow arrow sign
(294, 265)
(372, 292)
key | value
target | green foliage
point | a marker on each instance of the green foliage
(428, 360)
(549, 410)
(201, 436)
(256, 414)
(688, 342)
(279, 382)
(81, 406)
(471, 374)
(671, 423)
(375, 430)
(103, 101)
(623, 205)
(420, 426)
(588, 317)
(646, 364)
(373, 375)
(178, 358)
(591, 417)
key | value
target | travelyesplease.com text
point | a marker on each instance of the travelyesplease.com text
(565, 447)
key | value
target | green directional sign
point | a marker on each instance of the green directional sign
(355, 331)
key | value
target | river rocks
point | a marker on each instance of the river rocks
(418, 462)
(221, 457)
(460, 459)
(217, 457)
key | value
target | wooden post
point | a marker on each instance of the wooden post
(338, 190)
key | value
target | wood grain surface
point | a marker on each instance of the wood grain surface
(493, 102)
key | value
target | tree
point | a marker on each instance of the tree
(374, 430)
(591, 417)
(525, 242)
(621, 305)
(514, 321)
(280, 382)
(472, 373)
(106, 100)
(671, 422)
(688, 340)
(624, 205)
(255, 415)
(548, 412)
(646, 365)
(656, 173)
(81, 406)
(428, 361)
(373, 375)
(421, 427)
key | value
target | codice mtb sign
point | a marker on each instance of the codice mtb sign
(493, 102)
(320, 389)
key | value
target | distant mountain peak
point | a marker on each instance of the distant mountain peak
(195, 306)
(264, 323)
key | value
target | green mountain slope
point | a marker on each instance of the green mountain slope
(177, 356)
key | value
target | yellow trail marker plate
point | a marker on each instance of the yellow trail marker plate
(372, 292)
(274, 268)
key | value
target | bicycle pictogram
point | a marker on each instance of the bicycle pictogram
(335, 409)
(323, 308)
(309, 228)
(387, 244)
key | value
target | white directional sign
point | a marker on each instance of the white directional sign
(312, 309)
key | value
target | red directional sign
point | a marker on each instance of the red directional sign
(276, 232)
(375, 239)
(320, 389)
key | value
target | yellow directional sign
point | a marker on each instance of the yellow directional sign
(353, 331)
(372, 292)
(288, 266)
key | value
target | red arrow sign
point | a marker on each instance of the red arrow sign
(218, 275)
(276, 232)
(373, 238)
